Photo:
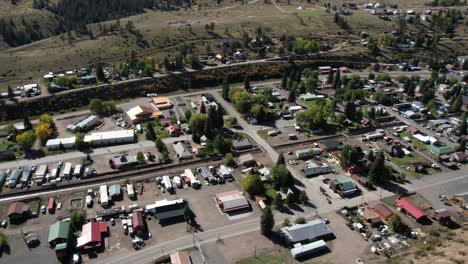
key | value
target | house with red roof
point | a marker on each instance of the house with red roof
(174, 130)
(138, 222)
(92, 235)
(410, 209)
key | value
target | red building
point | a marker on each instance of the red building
(92, 235)
(409, 208)
(138, 222)
(51, 205)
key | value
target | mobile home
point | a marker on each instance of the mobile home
(104, 196)
(67, 170)
(167, 183)
(78, 170)
(130, 191)
(193, 180)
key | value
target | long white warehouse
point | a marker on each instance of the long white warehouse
(66, 143)
(110, 137)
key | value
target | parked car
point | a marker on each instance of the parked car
(4, 223)
(43, 209)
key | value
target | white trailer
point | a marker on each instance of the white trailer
(103, 195)
(54, 173)
(167, 182)
(42, 171)
(130, 191)
(67, 170)
(78, 170)
(193, 180)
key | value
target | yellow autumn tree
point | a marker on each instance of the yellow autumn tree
(43, 132)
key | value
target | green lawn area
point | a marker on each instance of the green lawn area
(264, 259)
(406, 161)
(4, 144)
(161, 132)
(310, 13)
(416, 143)
(263, 134)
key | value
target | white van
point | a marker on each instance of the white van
(272, 133)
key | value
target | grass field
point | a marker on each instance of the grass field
(416, 143)
(264, 259)
(406, 162)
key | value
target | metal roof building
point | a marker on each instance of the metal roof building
(58, 237)
(111, 137)
(66, 143)
(310, 231)
(231, 201)
(166, 209)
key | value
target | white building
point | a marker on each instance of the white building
(311, 168)
(193, 180)
(130, 191)
(67, 170)
(66, 143)
(110, 137)
(103, 195)
(86, 123)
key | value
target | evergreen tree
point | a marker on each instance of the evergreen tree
(457, 104)
(150, 133)
(10, 92)
(219, 117)
(281, 159)
(209, 126)
(292, 96)
(330, 77)
(379, 173)
(100, 74)
(350, 110)
(284, 80)
(278, 201)
(462, 145)
(336, 80)
(247, 83)
(303, 198)
(27, 123)
(463, 126)
(202, 108)
(226, 89)
(267, 222)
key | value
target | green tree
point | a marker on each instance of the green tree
(349, 156)
(315, 117)
(281, 159)
(281, 176)
(463, 126)
(278, 201)
(350, 110)
(229, 160)
(96, 106)
(462, 146)
(79, 141)
(26, 139)
(378, 172)
(10, 92)
(300, 220)
(303, 198)
(336, 80)
(11, 130)
(160, 145)
(3, 241)
(100, 74)
(247, 83)
(188, 115)
(140, 157)
(292, 96)
(290, 199)
(253, 185)
(394, 222)
(197, 124)
(27, 123)
(47, 119)
(150, 133)
(202, 108)
(259, 112)
(457, 104)
(226, 89)
(267, 222)
(77, 219)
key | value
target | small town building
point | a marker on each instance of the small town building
(308, 153)
(59, 235)
(111, 137)
(383, 211)
(18, 212)
(304, 233)
(460, 157)
(182, 151)
(330, 145)
(174, 130)
(312, 169)
(442, 215)
(343, 186)
(88, 79)
(86, 123)
(370, 216)
(300, 250)
(138, 222)
(439, 149)
(161, 102)
(57, 143)
(124, 161)
(231, 201)
(165, 209)
(131, 191)
(92, 235)
(247, 160)
(311, 97)
(51, 205)
(410, 209)
(115, 193)
(103, 195)
(180, 257)
(241, 144)
(139, 113)
(225, 172)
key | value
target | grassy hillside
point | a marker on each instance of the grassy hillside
(159, 33)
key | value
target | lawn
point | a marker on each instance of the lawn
(264, 259)
(416, 143)
(406, 164)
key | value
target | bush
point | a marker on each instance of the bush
(300, 220)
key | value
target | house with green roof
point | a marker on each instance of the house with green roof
(310, 97)
(343, 186)
(59, 237)
(440, 149)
